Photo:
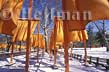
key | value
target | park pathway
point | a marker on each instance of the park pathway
(45, 64)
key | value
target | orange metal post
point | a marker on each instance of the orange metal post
(65, 41)
(55, 53)
(71, 52)
(12, 53)
(55, 43)
(28, 38)
(66, 56)
(50, 54)
(85, 51)
(38, 43)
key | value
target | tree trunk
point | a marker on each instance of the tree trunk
(46, 41)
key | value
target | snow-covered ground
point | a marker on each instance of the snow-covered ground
(45, 64)
(94, 52)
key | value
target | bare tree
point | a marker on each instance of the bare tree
(90, 36)
(102, 32)
(46, 21)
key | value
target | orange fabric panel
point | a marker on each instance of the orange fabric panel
(70, 35)
(73, 36)
(7, 27)
(51, 43)
(19, 25)
(59, 38)
(35, 40)
(24, 36)
(2, 45)
(84, 35)
(1, 4)
(80, 35)
(32, 40)
(94, 9)
(23, 47)
(68, 5)
(33, 27)
(11, 10)
(16, 9)
(58, 30)
(1, 26)
(59, 34)
(98, 8)
(17, 46)
(39, 41)
(21, 31)
(77, 36)
(75, 25)
(43, 43)
(76, 21)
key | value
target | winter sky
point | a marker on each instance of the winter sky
(38, 6)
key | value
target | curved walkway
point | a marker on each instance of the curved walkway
(45, 65)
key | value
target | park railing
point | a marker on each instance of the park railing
(95, 60)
